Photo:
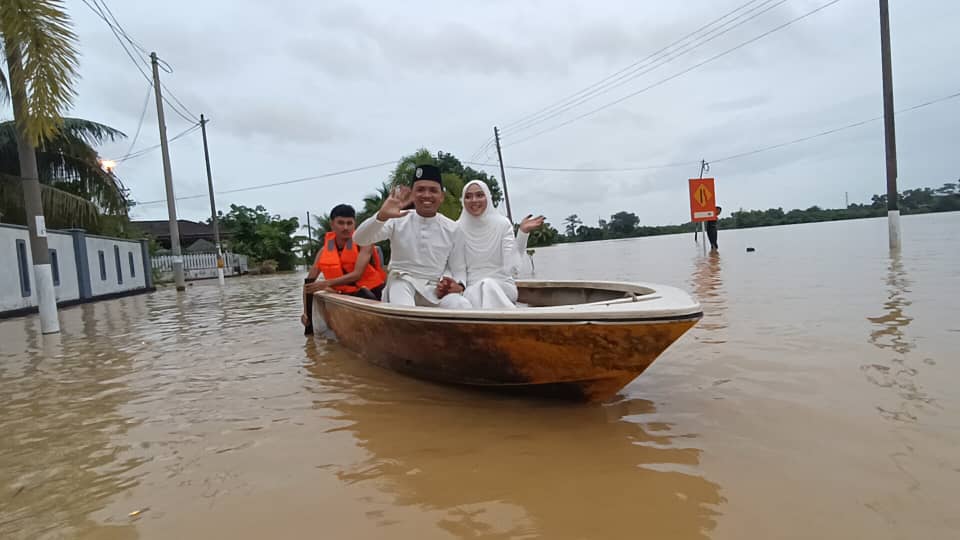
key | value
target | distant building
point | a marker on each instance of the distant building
(190, 232)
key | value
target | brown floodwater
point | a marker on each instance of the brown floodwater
(818, 398)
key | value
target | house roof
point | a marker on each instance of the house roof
(161, 228)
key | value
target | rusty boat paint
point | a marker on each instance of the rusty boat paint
(581, 340)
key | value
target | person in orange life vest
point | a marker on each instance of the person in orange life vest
(346, 267)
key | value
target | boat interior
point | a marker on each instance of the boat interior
(549, 294)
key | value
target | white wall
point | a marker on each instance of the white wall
(10, 294)
(69, 288)
(99, 286)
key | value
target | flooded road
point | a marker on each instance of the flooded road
(818, 398)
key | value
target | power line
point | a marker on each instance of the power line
(731, 157)
(143, 113)
(585, 170)
(281, 183)
(130, 39)
(677, 75)
(483, 147)
(649, 64)
(573, 170)
(123, 38)
(835, 130)
(149, 149)
(618, 78)
(564, 100)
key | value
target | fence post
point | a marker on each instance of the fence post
(147, 265)
(83, 263)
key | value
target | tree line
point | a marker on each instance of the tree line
(627, 224)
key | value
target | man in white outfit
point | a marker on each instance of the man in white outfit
(427, 257)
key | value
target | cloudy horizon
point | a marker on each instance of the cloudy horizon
(303, 90)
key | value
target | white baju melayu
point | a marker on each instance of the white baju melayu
(422, 250)
(493, 256)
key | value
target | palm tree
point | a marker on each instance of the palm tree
(41, 58)
(75, 188)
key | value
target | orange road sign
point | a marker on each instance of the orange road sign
(703, 200)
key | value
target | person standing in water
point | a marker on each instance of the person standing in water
(712, 231)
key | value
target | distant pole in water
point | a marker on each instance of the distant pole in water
(178, 277)
(889, 128)
(503, 175)
(213, 203)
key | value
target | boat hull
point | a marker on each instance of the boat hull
(589, 360)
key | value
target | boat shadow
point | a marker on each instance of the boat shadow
(494, 466)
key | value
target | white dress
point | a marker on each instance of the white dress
(422, 250)
(492, 257)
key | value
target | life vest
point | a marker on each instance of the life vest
(333, 264)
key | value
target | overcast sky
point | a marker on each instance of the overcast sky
(301, 88)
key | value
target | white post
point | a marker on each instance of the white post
(893, 221)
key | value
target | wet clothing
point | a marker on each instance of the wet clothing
(712, 233)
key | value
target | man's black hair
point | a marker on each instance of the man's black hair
(343, 210)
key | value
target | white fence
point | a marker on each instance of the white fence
(201, 265)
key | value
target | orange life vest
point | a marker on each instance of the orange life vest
(333, 264)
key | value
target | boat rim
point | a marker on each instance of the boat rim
(642, 303)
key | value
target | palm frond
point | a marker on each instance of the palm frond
(60, 207)
(67, 161)
(41, 51)
(92, 133)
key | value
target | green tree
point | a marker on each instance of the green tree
(623, 224)
(264, 237)
(373, 202)
(454, 176)
(77, 190)
(544, 235)
(573, 223)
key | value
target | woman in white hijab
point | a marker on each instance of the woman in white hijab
(493, 256)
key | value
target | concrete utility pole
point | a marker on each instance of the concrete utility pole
(704, 167)
(168, 180)
(213, 203)
(503, 175)
(889, 128)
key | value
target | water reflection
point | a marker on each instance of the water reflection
(495, 467)
(707, 284)
(889, 335)
(59, 411)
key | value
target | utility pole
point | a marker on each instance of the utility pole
(33, 202)
(889, 128)
(704, 167)
(307, 254)
(168, 180)
(503, 175)
(213, 204)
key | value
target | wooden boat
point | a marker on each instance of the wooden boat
(583, 340)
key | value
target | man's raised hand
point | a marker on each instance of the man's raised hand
(400, 197)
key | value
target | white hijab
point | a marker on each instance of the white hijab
(484, 234)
